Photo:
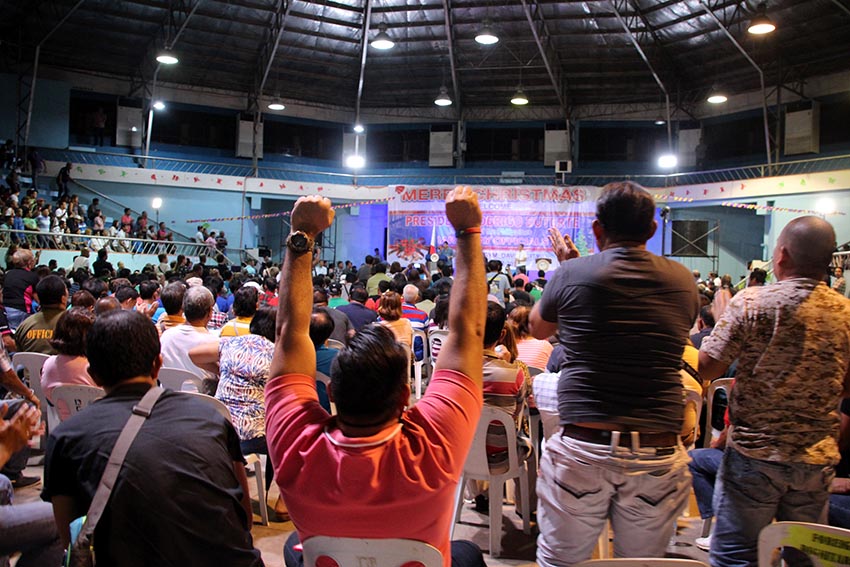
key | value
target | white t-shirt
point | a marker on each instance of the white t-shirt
(176, 344)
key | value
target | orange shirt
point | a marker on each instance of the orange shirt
(399, 483)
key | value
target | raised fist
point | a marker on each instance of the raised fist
(312, 214)
(462, 208)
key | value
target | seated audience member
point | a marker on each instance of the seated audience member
(172, 303)
(390, 313)
(533, 352)
(321, 327)
(14, 464)
(70, 366)
(83, 300)
(185, 446)
(439, 320)
(343, 329)
(759, 277)
(269, 297)
(519, 296)
(245, 304)
(705, 324)
(427, 304)
(127, 297)
(242, 364)
(414, 456)
(149, 304)
(28, 529)
(356, 309)
(335, 296)
(178, 341)
(418, 318)
(34, 334)
(105, 304)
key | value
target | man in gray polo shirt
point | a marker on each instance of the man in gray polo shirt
(623, 316)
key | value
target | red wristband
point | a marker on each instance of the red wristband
(470, 230)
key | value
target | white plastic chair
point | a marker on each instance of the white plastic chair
(478, 468)
(640, 562)
(32, 363)
(418, 364)
(796, 534)
(333, 343)
(76, 397)
(724, 384)
(695, 398)
(326, 380)
(252, 460)
(436, 338)
(324, 551)
(176, 378)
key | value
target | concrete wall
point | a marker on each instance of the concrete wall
(50, 115)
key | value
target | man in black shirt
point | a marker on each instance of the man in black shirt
(181, 497)
(62, 180)
(101, 266)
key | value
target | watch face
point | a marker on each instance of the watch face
(298, 241)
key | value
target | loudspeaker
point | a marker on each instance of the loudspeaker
(689, 238)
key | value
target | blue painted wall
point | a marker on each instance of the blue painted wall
(50, 116)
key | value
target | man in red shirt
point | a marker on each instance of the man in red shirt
(378, 469)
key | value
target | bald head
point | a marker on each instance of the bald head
(410, 293)
(806, 245)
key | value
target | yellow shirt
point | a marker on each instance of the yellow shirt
(237, 327)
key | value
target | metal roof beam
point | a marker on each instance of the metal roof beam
(447, 10)
(364, 50)
(539, 29)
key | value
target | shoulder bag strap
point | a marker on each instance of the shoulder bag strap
(141, 412)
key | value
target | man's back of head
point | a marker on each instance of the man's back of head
(410, 293)
(197, 304)
(320, 296)
(358, 294)
(494, 324)
(321, 326)
(805, 248)
(369, 376)
(626, 211)
(51, 290)
(126, 332)
(172, 297)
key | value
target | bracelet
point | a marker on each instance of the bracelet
(470, 230)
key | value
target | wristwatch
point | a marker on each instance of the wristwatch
(299, 242)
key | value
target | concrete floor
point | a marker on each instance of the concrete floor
(518, 549)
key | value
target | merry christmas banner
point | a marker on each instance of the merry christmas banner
(513, 215)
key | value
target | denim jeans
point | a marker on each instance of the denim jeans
(704, 466)
(17, 461)
(15, 317)
(839, 510)
(750, 493)
(29, 529)
(582, 485)
(464, 553)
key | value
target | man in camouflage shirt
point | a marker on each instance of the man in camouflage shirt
(792, 342)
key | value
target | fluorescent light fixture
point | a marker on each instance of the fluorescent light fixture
(276, 103)
(355, 161)
(156, 203)
(667, 161)
(717, 98)
(167, 57)
(159, 105)
(383, 41)
(825, 206)
(519, 98)
(486, 36)
(133, 129)
(359, 129)
(443, 99)
(761, 24)
(660, 122)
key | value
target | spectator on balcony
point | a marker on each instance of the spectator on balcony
(36, 165)
(163, 233)
(201, 235)
(97, 223)
(95, 205)
(63, 178)
(61, 212)
(221, 241)
(18, 225)
(127, 218)
(43, 222)
(141, 228)
(210, 241)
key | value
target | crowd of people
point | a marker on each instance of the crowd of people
(604, 349)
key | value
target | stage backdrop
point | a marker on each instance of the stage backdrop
(512, 215)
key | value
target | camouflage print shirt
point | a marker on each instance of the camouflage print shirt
(792, 341)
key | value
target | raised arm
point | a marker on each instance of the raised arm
(294, 352)
(463, 350)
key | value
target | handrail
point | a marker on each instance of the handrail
(64, 241)
(722, 174)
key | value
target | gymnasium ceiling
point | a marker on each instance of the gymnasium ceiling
(564, 53)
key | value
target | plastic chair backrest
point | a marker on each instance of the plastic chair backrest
(176, 378)
(75, 397)
(324, 551)
(724, 384)
(826, 546)
(477, 465)
(436, 338)
(216, 403)
(326, 380)
(640, 562)
(32, 363)
(695, 398)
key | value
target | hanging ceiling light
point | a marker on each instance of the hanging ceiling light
(276, 103)
(443, 99)
(159, 105)
(383, 41)
(660, 122)
(167, 57)
(358, 128)
(486, 36)
(716, 96)
(519, 97)
(355, 161)
(761, 24)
